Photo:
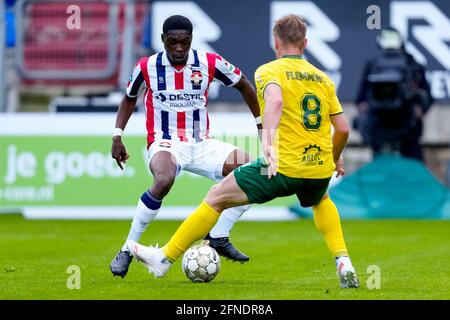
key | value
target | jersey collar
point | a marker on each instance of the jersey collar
(292, 56)
(166, 62)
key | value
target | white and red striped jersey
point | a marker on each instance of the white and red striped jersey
(176, 99)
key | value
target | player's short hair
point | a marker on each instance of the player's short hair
(177, 22)
(290, 29)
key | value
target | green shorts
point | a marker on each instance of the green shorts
(252, 179)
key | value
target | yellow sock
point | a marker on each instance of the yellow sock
(196, 226)
(326, 218)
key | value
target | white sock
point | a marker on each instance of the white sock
(141, 220)
(347, 263)
(227, 220)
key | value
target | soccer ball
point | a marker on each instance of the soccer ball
(201, 263)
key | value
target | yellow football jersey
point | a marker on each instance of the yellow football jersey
(303, 141)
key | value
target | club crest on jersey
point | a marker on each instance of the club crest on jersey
(196, 77)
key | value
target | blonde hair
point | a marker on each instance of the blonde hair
(291, 29)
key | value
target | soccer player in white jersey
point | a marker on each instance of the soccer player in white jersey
(176, 83)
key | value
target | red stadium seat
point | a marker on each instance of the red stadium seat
(50, 46)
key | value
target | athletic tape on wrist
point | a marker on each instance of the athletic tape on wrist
(117, 132)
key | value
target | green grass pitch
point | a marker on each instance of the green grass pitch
(289, 260)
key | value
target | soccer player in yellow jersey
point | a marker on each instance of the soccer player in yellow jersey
(298, 106)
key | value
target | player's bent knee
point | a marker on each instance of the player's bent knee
(163, 184)
(213, 194)
(216, 199)
(236, 159)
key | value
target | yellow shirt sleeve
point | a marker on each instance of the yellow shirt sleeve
(265, 76)
(335, 105)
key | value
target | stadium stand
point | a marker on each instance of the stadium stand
(57, 56)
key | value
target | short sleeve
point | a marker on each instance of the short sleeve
(335, 105)
(263, 77)
(226, 73)
(136, 84)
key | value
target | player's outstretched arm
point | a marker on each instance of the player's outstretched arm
(248, 93)
(340, 138)
(118, 150)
